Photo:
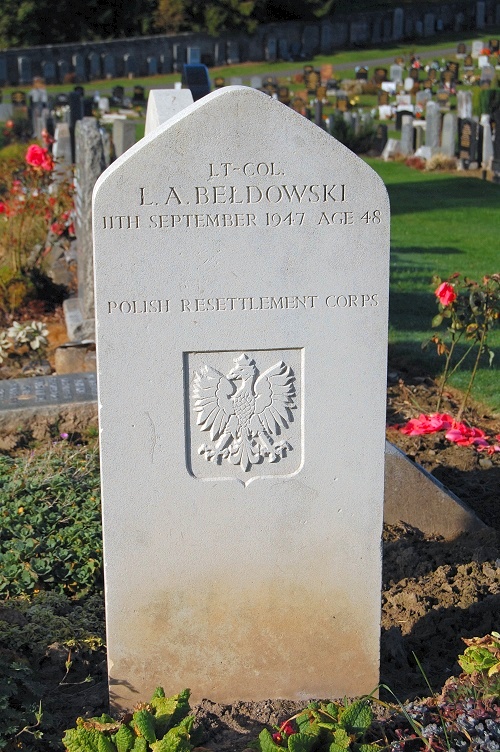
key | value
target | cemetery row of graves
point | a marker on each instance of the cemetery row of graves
(416, 105)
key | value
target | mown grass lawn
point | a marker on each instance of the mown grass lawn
(440, 224)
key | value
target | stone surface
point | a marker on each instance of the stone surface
(47, 390)
(123, 136)
(433, 125)
(163, 104)
(200, 279)
(414, 496)
(75, 357)
(464, 105)
(407, 135)
(90, 163)
(449, 134)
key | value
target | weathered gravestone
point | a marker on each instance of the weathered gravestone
(241, 300)
(90, 163)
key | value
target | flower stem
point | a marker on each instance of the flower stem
(473, 374)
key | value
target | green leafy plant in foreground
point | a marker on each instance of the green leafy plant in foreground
(162, 725)
(481, 663)
(50, 523)
(323, 727)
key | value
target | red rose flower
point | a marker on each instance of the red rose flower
(445, 293)
(37, 156)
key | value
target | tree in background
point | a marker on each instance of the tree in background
(35, 22)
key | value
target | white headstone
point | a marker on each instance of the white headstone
(487, 154)
(449, 134)
(477, 46)
(103, 104)
(483, 61)
(164, 104)
(241, 298)
(384, 111)
(409, 84)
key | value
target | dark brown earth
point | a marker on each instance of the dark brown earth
(434, 592)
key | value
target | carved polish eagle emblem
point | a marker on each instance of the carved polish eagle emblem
(244, 411)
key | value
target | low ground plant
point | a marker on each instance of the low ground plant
(50, 534)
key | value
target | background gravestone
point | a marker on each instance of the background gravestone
(164, 104)
(214, 266)
(90, 163)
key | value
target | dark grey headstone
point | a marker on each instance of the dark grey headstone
(359, 32)
(79, 66)
(3, 70)
(179, 57)
(24, 68)
(398, 24)
(327, 37)
(49, 71)
(429, 24)
(271, 50)
(40, 391)
(130, 64)
(62, 70)
(220, 53)
(283, 52)
(109, 66)
(196, 78)
(152, 66)
(340, 33)
(377, 30)
(480, 14)
(166, 61)
(232, 52)
(387, 29)
(419, 28)
(94, 66)
(194, 56)
(310, 41)
(380, 138)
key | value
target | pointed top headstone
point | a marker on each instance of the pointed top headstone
(241, 261)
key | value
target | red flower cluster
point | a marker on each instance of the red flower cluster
(445, 293)
(286, 729)
(458, 433)
(37, 156)
(60, 226)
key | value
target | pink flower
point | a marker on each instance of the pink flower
(427, 424)
(288, 729)
(445, 293)
(464, 436)
(37, 156)
(3, 208)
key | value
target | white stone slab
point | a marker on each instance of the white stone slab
(163, 104)
(243, 565)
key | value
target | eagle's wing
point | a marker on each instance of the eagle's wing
(274, 393)
(212, 394)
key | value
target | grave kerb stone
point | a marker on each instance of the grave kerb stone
(241, 534)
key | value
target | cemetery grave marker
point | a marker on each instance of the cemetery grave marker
(164, 104)
(461, 50)
(216, 513)
(494, 46)
(362, 73)
(380, 75)
(468, 143)
(312, 80)
(468, 63)
(196, 78)
(219, 82)
(477, 47)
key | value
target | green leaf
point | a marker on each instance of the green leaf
(81, 740)
(437, 320)
(144, 723)
(175, 740)
(301, 742)
(104, 743)
(366, 748)
(124, 739)
(357, 717)
(267, 743)
(342, 738)
(140, 745)
(334, 747)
